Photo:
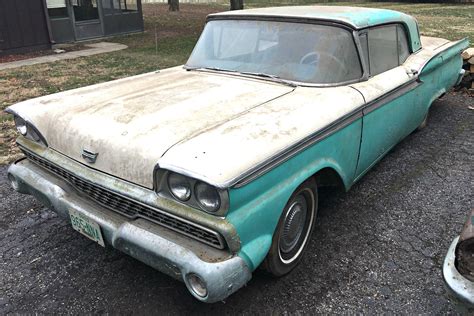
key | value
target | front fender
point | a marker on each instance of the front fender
(256, 207)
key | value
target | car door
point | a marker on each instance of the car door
(389, 93)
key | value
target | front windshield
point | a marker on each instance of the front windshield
(309, 53)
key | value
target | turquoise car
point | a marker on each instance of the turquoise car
(210, 170)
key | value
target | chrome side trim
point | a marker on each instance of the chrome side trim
(391, 95)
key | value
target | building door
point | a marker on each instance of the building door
(23, 26)
(60, 21)
(86, 18)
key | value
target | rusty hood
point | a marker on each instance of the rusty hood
(131, 123)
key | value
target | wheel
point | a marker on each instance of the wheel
(294, 229)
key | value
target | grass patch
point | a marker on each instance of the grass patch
(177, 33)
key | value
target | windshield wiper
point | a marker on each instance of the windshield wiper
(273, 77)
(209, 68)
(256, 74)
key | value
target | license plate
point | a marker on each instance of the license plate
(86, 226)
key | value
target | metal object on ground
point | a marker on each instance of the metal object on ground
(462, 288)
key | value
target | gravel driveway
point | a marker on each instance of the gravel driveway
(378, 248)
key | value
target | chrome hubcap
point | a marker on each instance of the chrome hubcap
(294, 225)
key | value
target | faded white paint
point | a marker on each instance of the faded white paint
(132, 122)
(222, 154)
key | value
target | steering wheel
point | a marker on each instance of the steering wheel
(306, 59)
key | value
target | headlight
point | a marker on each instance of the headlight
(179, 186)
(191, 192)
(208, 197)
(26, 129)
(21, 125)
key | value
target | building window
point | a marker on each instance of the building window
(128, 5)
(57, 9)
(85, 10)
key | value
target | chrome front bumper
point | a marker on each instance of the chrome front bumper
(154, 245)
(461, 288)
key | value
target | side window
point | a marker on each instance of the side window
(383, 49)
(387, 48)
(403, 50)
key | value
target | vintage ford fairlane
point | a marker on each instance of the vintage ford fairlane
(209, 170)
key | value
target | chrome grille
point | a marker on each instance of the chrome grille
(130, 208)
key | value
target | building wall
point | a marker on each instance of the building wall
(23, 26)
(186, 1)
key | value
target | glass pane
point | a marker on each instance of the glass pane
(57, 8)
(383, 49)
(293, 51)
(107, 7)
(403, 50)
(106, 4)
(232, 37)
(128, 5)
(55, 4)
(85, 10)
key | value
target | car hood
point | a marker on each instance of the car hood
(131, 123)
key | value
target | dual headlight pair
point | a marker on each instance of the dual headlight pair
(192, 191)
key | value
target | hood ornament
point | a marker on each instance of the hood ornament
(89, 156)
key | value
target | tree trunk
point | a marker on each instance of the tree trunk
(236, 4)
(173, 5)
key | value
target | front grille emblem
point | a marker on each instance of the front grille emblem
(89, 156)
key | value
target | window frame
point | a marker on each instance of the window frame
(366, 59)
(58, 17)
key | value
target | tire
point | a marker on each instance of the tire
(292, 235)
